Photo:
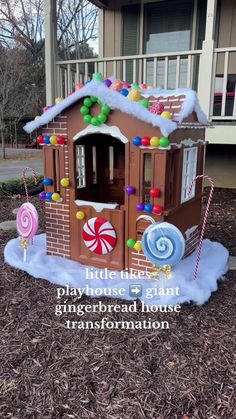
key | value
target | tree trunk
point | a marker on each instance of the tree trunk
(3, 142)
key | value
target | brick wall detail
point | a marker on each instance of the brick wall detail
(57, 223)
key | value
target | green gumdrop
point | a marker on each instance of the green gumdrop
(98, 77)
(144, 102)
(87, 119)
(130, 243)
(87, 102)
(84, 110)
(95, 121)
(164, 142)
(102, 117)
(135, 86)
(93, 99)
(100, 102)
(106, 110)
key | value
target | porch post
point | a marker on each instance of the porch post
(205, 77)
(50, 49)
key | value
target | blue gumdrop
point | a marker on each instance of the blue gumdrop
(124, 92)
(148, 207)
(48, 182)
(46, 139)
(137, 141)
(49, 196)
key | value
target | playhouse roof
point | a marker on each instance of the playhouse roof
(187, 98)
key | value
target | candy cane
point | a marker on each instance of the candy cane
(25, 180)
(204, 220)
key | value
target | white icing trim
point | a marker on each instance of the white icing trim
(188, 143)
(102, 129)
(190, 231)
(147, 218)
(98, 206)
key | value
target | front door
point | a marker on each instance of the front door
(98, 238)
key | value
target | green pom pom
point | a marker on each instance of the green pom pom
(130, 243)
(164, 142)
(106, 110)
(144, 102)
(102, 117)
(94, 99)
(84, 110)
(88, 102)
(100, 102)
(135, 86)
(95, 121)
(87, 119)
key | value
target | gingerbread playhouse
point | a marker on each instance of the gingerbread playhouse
(117, 161)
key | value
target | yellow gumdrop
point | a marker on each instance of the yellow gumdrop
(155, 141)
(53, 139)
(58, 100)
(56, 196)
(80, 215)
(166, 115)
(134, 95)
(138, 246)
(37, 117)
(65, 182)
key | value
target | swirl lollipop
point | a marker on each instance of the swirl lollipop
(27, 217)
(163, 244)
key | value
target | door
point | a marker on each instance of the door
(98, 238)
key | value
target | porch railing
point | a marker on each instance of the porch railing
(164, 70)
(223, 92)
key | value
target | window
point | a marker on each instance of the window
(168, 29)
(80, 166)
(147, 176)
(188, 173)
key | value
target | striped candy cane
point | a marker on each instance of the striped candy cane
(26, 169)
(204, 220)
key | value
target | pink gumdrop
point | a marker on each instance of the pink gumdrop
(157, 108)
(126, 85)
(27, 221)
(116, 85)
(79, 86)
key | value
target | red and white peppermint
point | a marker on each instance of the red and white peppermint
(99, 236)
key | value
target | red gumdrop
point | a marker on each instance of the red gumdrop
(155, 192)
(157, 209)
(146, 141)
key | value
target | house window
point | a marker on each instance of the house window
(147, 176)
(80, 166)
(188, 173)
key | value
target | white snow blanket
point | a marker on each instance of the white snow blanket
(61, 271)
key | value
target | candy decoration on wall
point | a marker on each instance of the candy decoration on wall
(124, 92)
(137, 141)
(99, 236)
(157, 108)
(65, 182)
(48, 196)
(79, 86)
(42, 195)
(134, 95)
(130, 190)
(140, 207)
(46, 139)
(107, 82)
(53, 139)
(155, 192)
(130, 243)
(27, 216)
(56, 197)
(80, 215)
(144, 102)
(47, 181)
(40, 139)
(98, 77)
(166, 115)
(138, 246)
(58, 100)
(155, 142)
(204, 220)
(164, 142)
(163, 244)
(146, 141)
(148, 207)
(117, 85)
(86, 109)
(157, 209)
(60, 140)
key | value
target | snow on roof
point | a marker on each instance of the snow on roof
(117, 101)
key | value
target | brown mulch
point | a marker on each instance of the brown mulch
(49, 372)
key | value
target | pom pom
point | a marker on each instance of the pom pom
(157, 108)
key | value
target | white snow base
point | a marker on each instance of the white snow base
(60, 271)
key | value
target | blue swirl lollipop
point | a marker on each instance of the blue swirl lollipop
(163, 244)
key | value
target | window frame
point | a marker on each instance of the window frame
(189, 172)
(80, 166)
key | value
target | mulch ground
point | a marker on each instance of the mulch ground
(50, 372)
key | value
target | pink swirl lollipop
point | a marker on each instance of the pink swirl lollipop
(27, 221)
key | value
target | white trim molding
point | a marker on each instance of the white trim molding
(98, 206)
(102, 129)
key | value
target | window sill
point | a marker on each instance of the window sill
(98, 206)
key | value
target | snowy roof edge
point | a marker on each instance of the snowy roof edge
(118, 101)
